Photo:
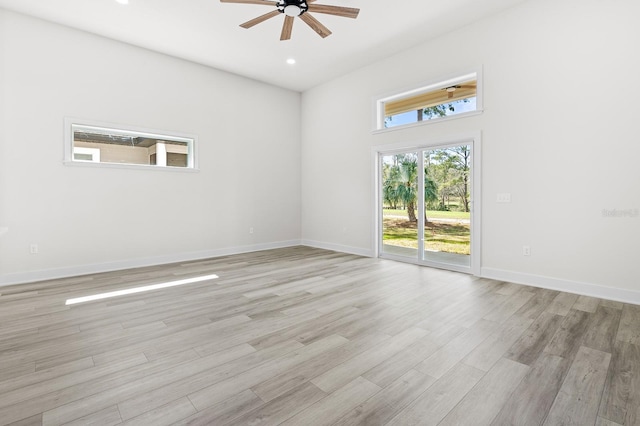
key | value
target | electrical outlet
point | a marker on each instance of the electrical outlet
(526, 251)
(251, 230)
(33, 249)
(503, 197)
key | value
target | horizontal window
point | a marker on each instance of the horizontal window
(435, 101)
(89, 143)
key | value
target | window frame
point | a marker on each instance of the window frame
(71, 123)
(431, 86)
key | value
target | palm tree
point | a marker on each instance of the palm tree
(401, 184)
(430, 192)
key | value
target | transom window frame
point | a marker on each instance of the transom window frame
(70, 123)
(426, 87)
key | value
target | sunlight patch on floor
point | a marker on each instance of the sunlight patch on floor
(138, 289)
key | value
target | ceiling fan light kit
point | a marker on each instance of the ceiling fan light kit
(292, 7)
(297, 8)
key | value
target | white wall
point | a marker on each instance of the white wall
(88, 218)
(562, 99)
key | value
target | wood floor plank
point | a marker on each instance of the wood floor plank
(107, 417)
(24, 396)
(537, 304)
(605, 422)
(532, 399)
(481, 405)
(384, 405)
(622, 388)
(85, 398)
(601, 332)
(508, 289)
(166, 415)
(283, 407)
(354, 367)
(304, 372)
(210, 395)
(586, 303)
(225, 412)
(199, 374)
(397, 365)
(18, 371)
(311, 330)
(611, 304)
(436, 402)
(562, 304)
(509, 307)
(446, 357)
(530, 345)
(577, 400)
(31, 421)
(629, 331)
(39, 377)
(568, 339)
(485, 355)
(331, 408)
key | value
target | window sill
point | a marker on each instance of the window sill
(131, 167)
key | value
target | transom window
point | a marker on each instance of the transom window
(90, 143)
(455, 96)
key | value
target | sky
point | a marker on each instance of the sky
(411, 116)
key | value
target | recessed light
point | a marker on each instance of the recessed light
(291, 61)
(123, 1)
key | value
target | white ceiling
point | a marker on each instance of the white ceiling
(208, 32)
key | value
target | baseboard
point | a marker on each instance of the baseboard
(338, 247)
(73, 271)
(576, 287)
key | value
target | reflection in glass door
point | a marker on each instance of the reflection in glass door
(426, 198)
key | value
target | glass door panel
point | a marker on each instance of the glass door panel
(447, 196)
(399, 195)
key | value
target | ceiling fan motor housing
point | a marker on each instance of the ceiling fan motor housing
(292, 7)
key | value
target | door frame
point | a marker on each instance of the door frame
(475, 140)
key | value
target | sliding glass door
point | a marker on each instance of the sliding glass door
(425, 203)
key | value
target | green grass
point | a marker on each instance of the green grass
(436, 214)
(439, 236)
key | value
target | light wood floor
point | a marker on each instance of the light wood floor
(303, 336)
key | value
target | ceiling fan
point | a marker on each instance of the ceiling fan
(451, 89)
(297, 8)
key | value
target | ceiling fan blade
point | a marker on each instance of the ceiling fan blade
(286, 28)
(315, 25)
(263, 2)
(346, 12)
(450, 95)
(256, 21)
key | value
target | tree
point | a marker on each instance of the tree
(430, 189)
(438, 110)
(389, 174)
(461, 157)
(451, 168)
(428, 113)
(435, 111)
(401, 184)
